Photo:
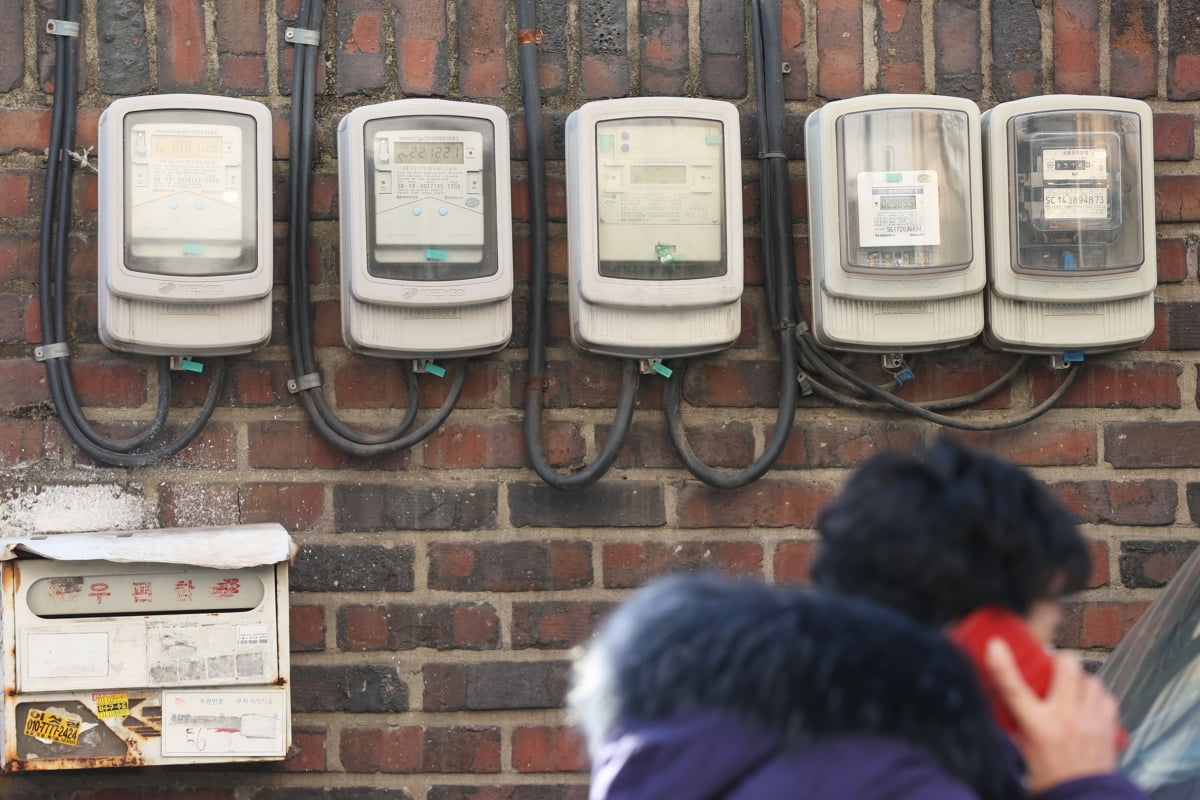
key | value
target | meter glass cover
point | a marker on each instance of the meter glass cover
(190, 192)
(1075, 189)
(432, 198)
(906, 190)
(660, 198)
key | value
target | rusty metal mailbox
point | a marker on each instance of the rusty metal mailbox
(146, 647)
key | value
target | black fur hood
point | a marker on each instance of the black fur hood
(800, 665)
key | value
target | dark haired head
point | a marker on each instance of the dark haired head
(944, 532)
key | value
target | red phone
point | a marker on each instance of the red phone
(1037, 667)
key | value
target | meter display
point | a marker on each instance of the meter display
(1071, 215)
(895, 198)
(185, 244)
(660, 197)
(432, 196)
(426, 229)
(189, 193)
(654, 235)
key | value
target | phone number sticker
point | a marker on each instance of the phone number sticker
(53, 727)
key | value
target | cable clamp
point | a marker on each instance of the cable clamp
(62, 27)
(307, 36)
(531, 36)
(773, 154)
(305, 382)
(49, 351)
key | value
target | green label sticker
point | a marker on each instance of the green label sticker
(193, 249)
(606, 142)
(893, 177)
(49, 726)
(435, 255)
(714, 138)
(665, 253)
(113, 704)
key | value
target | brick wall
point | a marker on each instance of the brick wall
(438, 592)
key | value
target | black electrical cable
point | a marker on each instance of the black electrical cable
(312, 398)
(779, 260)
(52, 278)
(866, 386)
(536, 362)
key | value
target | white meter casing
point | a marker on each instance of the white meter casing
(654, 226)
(426, 229)
(896, 224)
(1071, 222)
(185, 245)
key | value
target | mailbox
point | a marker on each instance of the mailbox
(146, 648)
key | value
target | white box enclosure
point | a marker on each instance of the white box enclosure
(146, 648)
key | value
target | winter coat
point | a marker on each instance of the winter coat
(702, 689)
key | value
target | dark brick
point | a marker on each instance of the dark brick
(1183, 50)
(604, 504)
(900, 47)
(379, 507)
(956, 39)
(353, 568)
(723, 49)
(241, 46)
(1146, 502)
(1163, 445)
(1193, 502)
(793, 560)
(1150, 564)
(1115, 385)
(1077, 46)
(1176, 327)
(727, 444)
(336, 793)
(1017, 33)
(124, 55)
(840, 43)
(181, 46)
(12, 46)
(552, 53)
(422, 47)
(1133, 44)
(527, 792)
(766, 503)
(739, 384)
(664, 35)
(792, 49)
(495, 685)
(483, 67)
(288, 15)
(628, 565)
(449, 626)
(555, 624)
(361, 59)
(358, 689)
(510, 566)
(603, 42)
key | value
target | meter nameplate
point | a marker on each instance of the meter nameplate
(1075, 203)
(1077, 164)
(428, 191)
(185, 189)
(898, 208)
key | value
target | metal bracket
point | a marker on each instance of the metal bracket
(892, 361)
(62, 27)
(531, 36)
(303, 36)
(1066, 359)
(305, 382)
(49, 351)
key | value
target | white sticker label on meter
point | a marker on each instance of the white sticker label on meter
(898, 209)
(1075, 164)
(1075, 202)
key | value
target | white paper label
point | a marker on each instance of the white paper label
(67, 655)
(224, 723)
(898, 209)
(1075, 203)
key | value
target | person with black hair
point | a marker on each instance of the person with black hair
(702, 688)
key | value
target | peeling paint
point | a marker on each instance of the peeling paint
(58, 509)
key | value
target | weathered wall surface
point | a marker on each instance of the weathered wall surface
(438, 592)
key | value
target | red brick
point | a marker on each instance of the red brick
(307, 628)
(1134, 47)
(840, 42)
(471, 447)
(1172, 260)
(296, 506)
(113, 384)
(1111, 385)
(186, 505)
(414, 749)
(1040, 443)
(1174, 137)
(1077, 46)
(291, 445)
(1098, 624)
(16, 193)
(792, 48)
(740, 384)
(241, 27)
(1138, 502)
(215, 447)
(793, 559)
(24, 129)
(1183, 51)
(956, 38)
(1099, 574)
(181, 46)
(308, 750)
(845, 444)
(630, 564)
(22, 383)
(363, 627)
(483, 66)
(548, 749)
(555, 624)
(765, 503)
(361, 60)
(900, 46)
(423, 53)
(664, 38)
(510, 566)
(242, 74)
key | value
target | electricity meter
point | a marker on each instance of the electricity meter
(1071, 186)
(895, 204)
(426, 229)
(185, 246)
(654, 226)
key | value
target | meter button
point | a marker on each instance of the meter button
(443, 211)
(416, 212)
(173, 204)
(472, 202)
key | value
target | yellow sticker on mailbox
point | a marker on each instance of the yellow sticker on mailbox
(113, 704)
(54, 727)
